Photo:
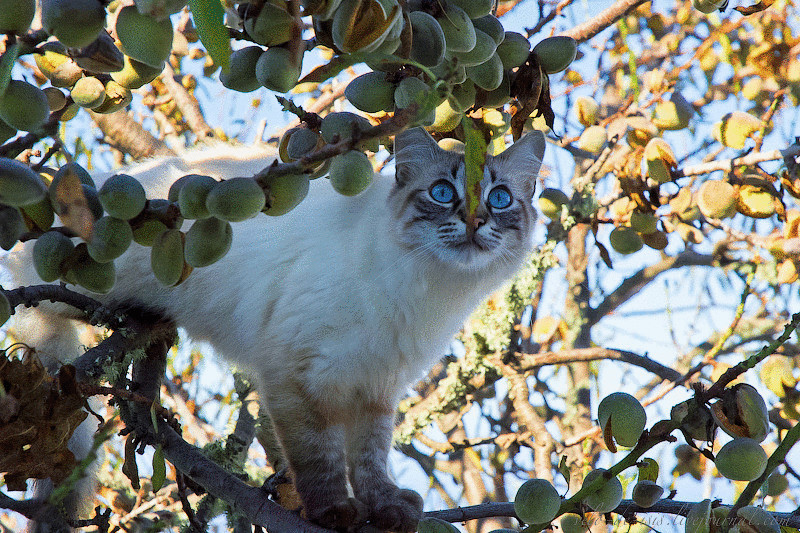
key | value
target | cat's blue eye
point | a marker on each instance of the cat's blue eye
(443, 192)
(499, 198)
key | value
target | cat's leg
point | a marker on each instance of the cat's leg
(313, 445)
(368, 443)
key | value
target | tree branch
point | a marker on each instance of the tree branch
(187, 104)
(625, 508)
(604, 19)
(250, 501)
(128, 136)
(96, 313)
(528, 419)
(640, 279)
(727, 165)
(396, 124)
(528, 362)
(34, 509)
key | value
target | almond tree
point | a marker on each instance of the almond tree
(666, 276)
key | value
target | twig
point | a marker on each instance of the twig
(528, 362)
(543, 21)
(196, 526)
(640, 279)
(727, 165)
(735, 371)
(715, 349)
(396, 124)
(604, 19)
(589, 176)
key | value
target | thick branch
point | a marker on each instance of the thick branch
(642, 278)
(251, 501)
(96, 313)
(39, 510)
(528, 419)
(130, 333)
(187, 104)
(128, 136)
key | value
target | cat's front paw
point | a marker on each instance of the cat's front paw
(340, 516)
(400, 514)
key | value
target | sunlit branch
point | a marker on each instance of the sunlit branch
(187, 104)
(726, 165)
(604, 19)
(128, 136)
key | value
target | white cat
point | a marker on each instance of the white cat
(337, 306)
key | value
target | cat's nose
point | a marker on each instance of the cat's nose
(472, 223)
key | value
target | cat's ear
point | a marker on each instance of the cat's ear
(524, 157)
(414, 152)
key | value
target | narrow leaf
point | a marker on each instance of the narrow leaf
(154, 417)
(474, 160)
(129, 467)
(159, 469)
(563, 469)
(208, 18)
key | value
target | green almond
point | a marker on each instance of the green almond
(19, 185)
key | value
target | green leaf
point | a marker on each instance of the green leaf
(208, 18)
(563, 469)
(648, 469)
(7, 61)
(474, 160)
(159, 469)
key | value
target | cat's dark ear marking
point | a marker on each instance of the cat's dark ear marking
(525, 156)
(414, 150)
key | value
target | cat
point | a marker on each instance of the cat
(339, 305)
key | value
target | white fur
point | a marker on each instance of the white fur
(335, 307)
(327, 281)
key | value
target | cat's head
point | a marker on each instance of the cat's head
(430, 208)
